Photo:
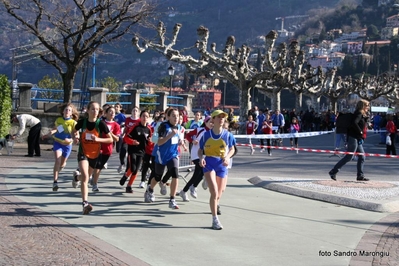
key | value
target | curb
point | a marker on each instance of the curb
(389, 206)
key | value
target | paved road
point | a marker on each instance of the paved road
(261, 227)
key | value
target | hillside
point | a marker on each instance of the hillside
(242, 18)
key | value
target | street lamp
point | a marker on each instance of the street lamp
(171, 71)
(224, 93)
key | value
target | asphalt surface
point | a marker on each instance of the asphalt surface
(261, 227)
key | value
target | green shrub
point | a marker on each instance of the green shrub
(5, 106)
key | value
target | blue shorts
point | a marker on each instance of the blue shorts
(65, 149)
(215, 164)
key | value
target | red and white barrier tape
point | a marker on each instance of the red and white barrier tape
(321, 151)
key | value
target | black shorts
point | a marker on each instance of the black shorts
(173, 169)
(92, 162)
(102, 160)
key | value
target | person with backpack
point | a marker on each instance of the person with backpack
(91, 128)
(217, 145)
(356, 136)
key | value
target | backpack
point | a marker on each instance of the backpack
(344, 122)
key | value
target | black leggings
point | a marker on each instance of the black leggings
(197, 176)
(148, 163)
(122, 153)
(173, 169)
(262, 143)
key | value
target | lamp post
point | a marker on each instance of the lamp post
(224, 93)
(171, 71)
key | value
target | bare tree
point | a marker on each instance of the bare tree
(371, 88)
(71, 31)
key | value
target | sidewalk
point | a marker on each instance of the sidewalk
(261, 227)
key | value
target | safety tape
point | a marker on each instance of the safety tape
(318, 150)
(283, 136)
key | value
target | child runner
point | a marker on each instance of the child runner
(267, 129)
(148, 159)
(129, 123)
(166, 155)
(294, 129)
(217, 145)
(193, 137)
(61, 134)
(91, 128)
(251, 127)
(106, 148)
(120, 118)
(137, 140)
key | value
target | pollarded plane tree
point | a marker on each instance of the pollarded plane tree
(231, 64)
(71, 31)
(373, 87)
(315, 88)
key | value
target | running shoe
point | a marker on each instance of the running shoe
(87, 208)
(95, 188)
(142, 184)
(129, 190)
(262, 150)
(173, 204)
(149, 197)
(183, 195)
(121, 168)
(75, 181)
(193, 191)
(123, 180)
(163, 191)
(204, 184)
(216, 225)
(55, 186)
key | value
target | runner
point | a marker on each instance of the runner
(90, 128)
(218, 146)
(61, 134)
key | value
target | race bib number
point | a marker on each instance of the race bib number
(175, 140)
(60, 129)
(88, 136)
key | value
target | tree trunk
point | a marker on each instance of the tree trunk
(333, 104)
(315, 102)
(68, 79)
(244, 103)
(275, 100)
(298, 100)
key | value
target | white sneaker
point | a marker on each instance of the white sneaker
(142, 184)
(270, 154)
(193, 191)
(121, 168)
(204, 184)
(262, 150)
(173, 204)
(55, 186)
(75, 181)
(95, 188)
(216, 225)
(149, 197)
(297, 151)
(184, 196)
(163, 191)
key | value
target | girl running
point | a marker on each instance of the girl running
(137, 140)
(217, 145)
(267, 129)
(251, 127)
(106, 148)
(294, 129)
(166, 155)
(62, 135)
(91, 127)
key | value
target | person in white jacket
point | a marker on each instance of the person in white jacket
(35, 126)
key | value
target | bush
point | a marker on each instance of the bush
(5, 106)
